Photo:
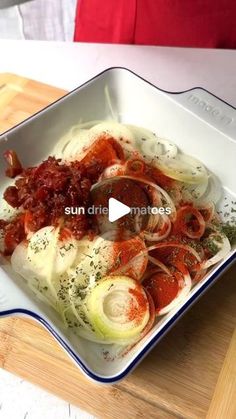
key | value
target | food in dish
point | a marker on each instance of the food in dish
(110, 282)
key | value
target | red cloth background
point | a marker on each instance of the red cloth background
(186, 23)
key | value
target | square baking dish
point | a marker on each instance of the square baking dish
(199, 123)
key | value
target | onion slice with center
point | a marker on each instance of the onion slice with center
(118, 308)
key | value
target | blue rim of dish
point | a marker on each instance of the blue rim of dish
(147, 347)
(173, 319)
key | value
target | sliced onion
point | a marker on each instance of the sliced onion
(76, 145)
(72, 135)
(116, 169)
(85, 246)
(181, 296)
(139, 259)
(156, 147)
(95, 261)
(224, 249)
(66, 253)
(181, 225)
(153, 220)
(199, 275)
(210, 208)
(212, 193)
(77, 311)
(150, 272)
(194, 192)
(118, 308)
(7, 212)
(186, 247)
(158, 263)
(19, 261)
(142, 135)
(75, 314)
(43, 296)
(118, 131)
(177, 245)
(150, 145)
(38, 281)
(99, 260)
(183, 168)
(43, 260)
(152, 316)
(46, 244)
(159, 234)
(124, 252)
(91, 336)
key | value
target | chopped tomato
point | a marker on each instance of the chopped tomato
(127, 191)
(33, 221)
(175, 255)
(28, 220)
(102, 153)
(43, 192)
(163, 288)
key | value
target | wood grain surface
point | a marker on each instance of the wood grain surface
(191, 373)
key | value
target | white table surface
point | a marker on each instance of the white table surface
(67, 65)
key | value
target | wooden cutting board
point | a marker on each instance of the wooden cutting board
(190, 374)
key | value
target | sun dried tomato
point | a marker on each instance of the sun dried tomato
(14, 164)
(104, 152)
(12, 197)
(43, 192)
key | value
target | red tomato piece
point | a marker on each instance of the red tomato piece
(163, 288)
(126, 260)
(102, 154)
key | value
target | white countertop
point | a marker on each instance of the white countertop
(67, 65)
(22, 400)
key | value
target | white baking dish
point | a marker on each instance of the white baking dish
(198, 122)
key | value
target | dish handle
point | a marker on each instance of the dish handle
(209, 108)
